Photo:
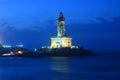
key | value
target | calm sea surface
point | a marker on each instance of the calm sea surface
(61, 68)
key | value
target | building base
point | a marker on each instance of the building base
(61, 42)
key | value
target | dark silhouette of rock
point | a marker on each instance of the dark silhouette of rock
(45, 52)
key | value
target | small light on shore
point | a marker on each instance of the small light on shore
(20, 52)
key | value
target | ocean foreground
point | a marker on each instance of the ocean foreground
(102, 67)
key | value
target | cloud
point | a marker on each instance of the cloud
(116, 19)
(6, 27)
(3, 24)
(101, 19)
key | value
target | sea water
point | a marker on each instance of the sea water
(60, 68)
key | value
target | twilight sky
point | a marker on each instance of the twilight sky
(95, 24)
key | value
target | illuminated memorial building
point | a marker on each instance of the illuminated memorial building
(61, 41)
(60, 46)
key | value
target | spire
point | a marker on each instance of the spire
(61, 17)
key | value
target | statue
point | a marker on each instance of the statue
(61, 26)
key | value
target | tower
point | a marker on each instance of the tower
(61, 41)
(61, 25)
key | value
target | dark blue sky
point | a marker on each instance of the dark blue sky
(95, 24)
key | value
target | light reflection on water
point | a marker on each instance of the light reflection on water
(61, 65)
